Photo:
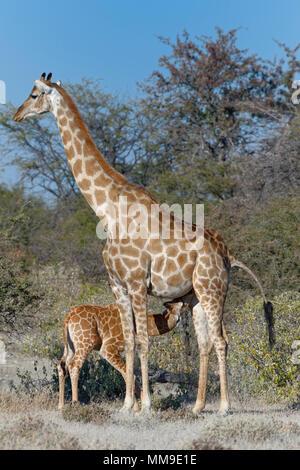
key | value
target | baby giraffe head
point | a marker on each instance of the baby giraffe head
(41, 100)
(175, 310)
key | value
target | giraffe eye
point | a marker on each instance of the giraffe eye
(34, 96)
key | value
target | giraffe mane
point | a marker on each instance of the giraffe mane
(88, 139)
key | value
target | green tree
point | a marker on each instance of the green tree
(17, 292)
(210, 104)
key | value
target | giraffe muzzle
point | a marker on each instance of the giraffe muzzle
(19, 116)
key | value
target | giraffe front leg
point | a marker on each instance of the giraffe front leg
(138, 297)
(126, 316)
(112, 355)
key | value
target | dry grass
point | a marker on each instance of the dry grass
(203, 444)
(32, 433)
(182, 413)
(35, 423)
(26, 431)
(92, 413)
(15, 402)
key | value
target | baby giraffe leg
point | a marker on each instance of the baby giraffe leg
(74, 367)
(111, 353)
(74, 374)
(62, 374)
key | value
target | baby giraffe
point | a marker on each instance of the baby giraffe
(95, 327)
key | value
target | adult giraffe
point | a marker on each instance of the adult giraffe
(167, 267)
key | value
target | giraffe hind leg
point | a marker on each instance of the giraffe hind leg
(75, 367)
(74, 362)
(210, 333)
(204, 346)
(211, 296)
(62, 374)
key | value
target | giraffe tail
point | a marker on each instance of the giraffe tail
(69, 350)
(268, 307)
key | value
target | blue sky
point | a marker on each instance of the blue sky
(116, 40)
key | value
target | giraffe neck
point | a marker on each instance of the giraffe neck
(97, 180)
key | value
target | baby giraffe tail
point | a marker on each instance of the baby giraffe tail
(62, 366)
(268, 307)
(68, 351)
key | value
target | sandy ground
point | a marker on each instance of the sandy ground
(27, 423)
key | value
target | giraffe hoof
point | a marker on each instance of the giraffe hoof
(198, 409)
(136, 408)
(224, 410)
(145, 412)
(126, 410)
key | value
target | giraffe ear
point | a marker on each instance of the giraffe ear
(43, 87)
(58, 83)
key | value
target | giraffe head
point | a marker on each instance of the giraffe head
(175, 309)
(41, 100)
